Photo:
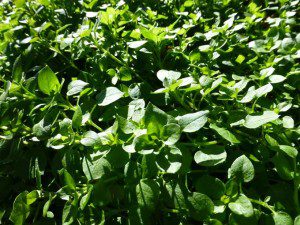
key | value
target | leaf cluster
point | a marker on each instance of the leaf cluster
(167, 112)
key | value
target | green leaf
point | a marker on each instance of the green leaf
(297, 220)
(155, 120)
(85, 199)
(192, 122)
(148, 34)
(200, 206)
(17, 69)
(68, 213)
(44, 2)
(147, 192)
(284, 166)
(68, 180)
(41, 129)
(267, 72)
(108, 96)
(32, 197)
(240, 59)
(168, 76)
(144, 144)
(90, 138)
(241, 169)
(287, 44)
(127, 126)
(274, 79)
(242, 206)
(76, 87)
(95, 168)
(252, 122)
(148, 166)
(263, 90)
(282, 218)
(170, 160)
(211, 186)
(77, 117)
(249, 96)
(48, 81)
(21, 209)
(226, 134)
(19, 3)
(175, 195)
(210, 156)
(288, 122)
(136, 44)
(289, 150)
(171, 133)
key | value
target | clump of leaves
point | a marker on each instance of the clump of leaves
(149, 112)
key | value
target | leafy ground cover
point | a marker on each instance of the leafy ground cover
(173, 112)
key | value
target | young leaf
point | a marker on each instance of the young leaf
(242, 206)
(90, 138)
(77, 118)
(289, 150)
(48, 81)
(288, 122)
(274, 79)
(210, 156)
(85, 199)
(17, 70)
(127, 126)
(136, 44)
(252, 122)
(155, 119)
(263, 90)
(241, 169)
(226, 134)
(76, 87)
(171, 133)
(192, 122)
(109, 95)
(168, 75)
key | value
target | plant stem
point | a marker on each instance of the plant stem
(171, 210)
(263, 204)
(90, 122)
(200, 143)
(178, 99)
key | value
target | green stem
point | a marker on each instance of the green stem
(113, 178)
(178, 99)
(253, 106)
(90, 122)
(171, 210)
(200, 143)
(263, 204)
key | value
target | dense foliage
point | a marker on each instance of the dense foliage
(165, 112)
